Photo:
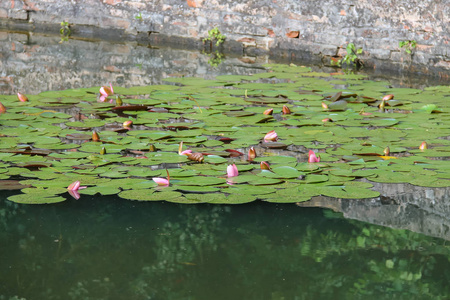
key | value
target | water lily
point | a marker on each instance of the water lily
(180, 150)
(73, 189)
(251, 153)
(264, 165)
(22, 97)
(75, 186)
(127, 123)
(286, 110)
(312, 158)
(107, 91)
(388, 97)
(271, 136)
(162, 181)
(2, 108)
(232, 171)
(268, 111)
(95, 136)
(423, 146)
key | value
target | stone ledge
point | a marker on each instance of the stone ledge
(320, 30)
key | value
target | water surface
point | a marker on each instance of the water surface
(107, 248)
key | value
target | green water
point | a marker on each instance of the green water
(107, 248)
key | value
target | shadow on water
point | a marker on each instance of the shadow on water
(107, 248)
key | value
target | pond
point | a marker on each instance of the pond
(105, 248)
(101, 245)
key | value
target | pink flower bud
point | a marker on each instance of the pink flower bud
(388, 97)
(264, 165)
(127, 123)
(161, 181)
(75, 186)
(271, 136)
(107, 91)
(286, 110)
(268, 111)
(423, 146)
(2, 108)
(312, 158)
(22, 97)
(232, 171)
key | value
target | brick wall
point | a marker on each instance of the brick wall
(282, 28)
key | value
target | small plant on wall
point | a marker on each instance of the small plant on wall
(351, 58)
(408, 46)
(214, 35)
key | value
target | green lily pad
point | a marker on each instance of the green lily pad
(36, 198)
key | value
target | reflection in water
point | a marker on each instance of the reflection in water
(419, 209)
(109, 248)
(33, 63)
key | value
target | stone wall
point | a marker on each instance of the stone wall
(283, 28)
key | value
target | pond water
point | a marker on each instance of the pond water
(104, 247)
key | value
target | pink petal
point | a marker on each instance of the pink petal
(74, 194)
(232, 171)
(312, 158)
(161, 181)
(74, 186)
(186, 152)
(107, 91)
(22, 97)
(271, 136)
(423, 146)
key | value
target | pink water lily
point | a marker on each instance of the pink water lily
(73, 189)
(75, 186)
(423, 146)
(271, 136)
(388, 97)
(180, 150)
(232, 171)
(312, 158)
(127, 123)
(162, 181)
(107, 91)
(22, 97)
